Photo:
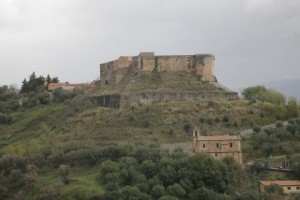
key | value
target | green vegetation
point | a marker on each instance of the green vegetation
(263, 94)
(123, 172)
(60, 148)
(159, 82)
(272, 141)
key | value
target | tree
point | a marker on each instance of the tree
(148, 167)
(158, 191)
(263, 94)
(176, 190)
(24, 87)
(130, 193)
(292, 108)
(273, 188)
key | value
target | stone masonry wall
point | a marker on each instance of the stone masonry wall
(149, 98)
(113, 72)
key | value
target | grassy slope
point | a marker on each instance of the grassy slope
(48, 127)
(30, 125)
(36, 128)
(159, 82)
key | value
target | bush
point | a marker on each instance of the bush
(176, 190)
(274, 189)
(226, 119)
(279, 124)
(146, 124)
(5, 119)
(187, 127)
(158, 191)
(256, 128)
(64, 174)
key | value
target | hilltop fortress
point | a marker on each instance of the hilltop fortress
(201, 65)
(148, 78)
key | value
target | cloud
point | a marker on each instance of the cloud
(69, 39)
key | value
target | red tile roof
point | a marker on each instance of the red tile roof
(282, 183)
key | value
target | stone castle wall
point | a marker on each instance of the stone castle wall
(201, 65)
(124, 100)
(150, 98)
(112, 73)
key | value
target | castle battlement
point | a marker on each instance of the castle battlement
(148, 78)
(113, 72)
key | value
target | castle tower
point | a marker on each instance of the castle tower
(204, 66)
(146, 61)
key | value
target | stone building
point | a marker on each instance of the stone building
(288, 186)
(65, 86)
(218, 146)
(113, 72)
(148, 78)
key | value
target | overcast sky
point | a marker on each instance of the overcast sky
(254, 41)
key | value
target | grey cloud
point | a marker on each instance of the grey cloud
(70, 39)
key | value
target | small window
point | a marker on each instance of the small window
(217, 145)
(203, 145)
(216, 154)
(230, 145)
(297, 188)
(289, 188)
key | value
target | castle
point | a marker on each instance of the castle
(148, 78)
(202, 65)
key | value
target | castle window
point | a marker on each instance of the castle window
(203, 145)
(106, 82)
(230, 145)
(217, 145)
(289, 188)
(297, 188)
(216, 154)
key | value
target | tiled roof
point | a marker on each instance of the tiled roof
(282, 183)
(219, 137)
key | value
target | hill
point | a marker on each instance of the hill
(76, 149)
(79, 124)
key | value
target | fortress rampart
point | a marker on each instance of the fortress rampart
(202, 65)
(147, 79)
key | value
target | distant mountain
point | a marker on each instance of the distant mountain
(289, 87)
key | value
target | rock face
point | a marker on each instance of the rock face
(146, 79)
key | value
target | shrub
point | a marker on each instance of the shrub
(5, 119)
(158, 191)
(226, 119)
(256, 128)
(279, 124)
(146, 124)
(187, 127)
(176, 190)
(274, 189)
(64, 174)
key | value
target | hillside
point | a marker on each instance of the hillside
(62, 147)
(74, 124)
(159, 82)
